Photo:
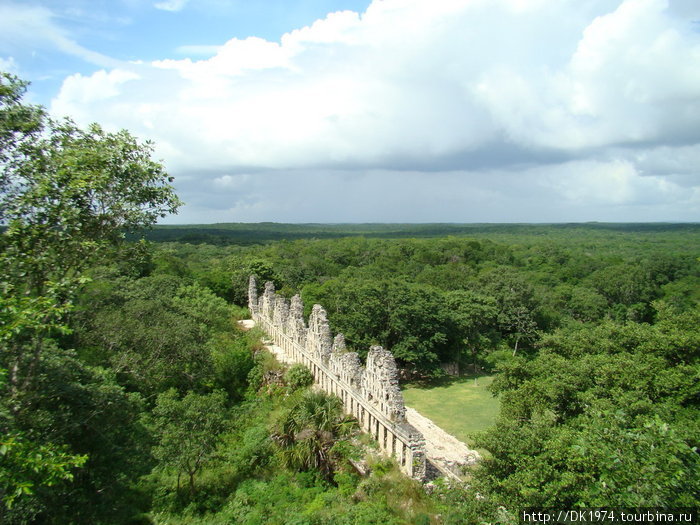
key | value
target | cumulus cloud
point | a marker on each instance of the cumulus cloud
(99, 87)
(593, 102)
(616, 182)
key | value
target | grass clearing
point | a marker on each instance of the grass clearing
(460, 406)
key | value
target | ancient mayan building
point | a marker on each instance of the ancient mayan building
(370, 393)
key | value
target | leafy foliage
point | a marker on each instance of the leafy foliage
(188, 430)
(25, 465)
(123, 369)
(67, 194)
(66, 197)
(298, 376)
(308, 431)
(600, 416)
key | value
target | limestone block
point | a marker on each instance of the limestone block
(268, 300)
(380, 383)
(318, 336)
(338, 344)
(295, 327)
(346, 366)
(296, 308)
(252, 295)
(281, 312)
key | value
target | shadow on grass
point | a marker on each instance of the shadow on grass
(445, 381)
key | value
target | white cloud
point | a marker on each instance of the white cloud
(574, 191)
(606, 91)
(610, 183)
(8, 65)
(98, 87)
(34, 27)
(171, 5)
(231, 181)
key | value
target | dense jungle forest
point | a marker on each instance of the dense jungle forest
(129, 394)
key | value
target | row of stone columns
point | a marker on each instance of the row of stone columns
(311, 347)
(390, 443)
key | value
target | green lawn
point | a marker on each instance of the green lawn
(460, 406)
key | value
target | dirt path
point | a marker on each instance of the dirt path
(277, 352)
(246, 324)
(441, 447)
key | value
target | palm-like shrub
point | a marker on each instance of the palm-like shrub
(307, 432)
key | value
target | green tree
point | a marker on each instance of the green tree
(26, 465)
(604, 415)
(473, 323)
(356, 307)
(629, 286)
(407, 318)
(417, 325)
(298, 376)
(74, 411)
(232, 360)
(238, 272)
(580, 302)
(518, 304)
(67, 195)
(155, 332)
(188, 431)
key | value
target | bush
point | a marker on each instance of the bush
(298, 376)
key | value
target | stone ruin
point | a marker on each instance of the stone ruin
(370, 393)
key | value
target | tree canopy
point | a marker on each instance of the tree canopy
(67, 196)
(123, 371)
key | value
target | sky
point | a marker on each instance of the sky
(385, 110)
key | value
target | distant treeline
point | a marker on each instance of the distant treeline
(129, 395)
(253, 233)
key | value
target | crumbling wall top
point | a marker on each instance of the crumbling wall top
(294, 326)
(281, 312)
(267, 301)
(339, 344)
(318, 337)
(252, 294)
(376, 382)
(380, 383)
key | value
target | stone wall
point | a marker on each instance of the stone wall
(370, 393)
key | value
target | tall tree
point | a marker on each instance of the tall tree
(602, 415)
(66, 195)
(188, 431)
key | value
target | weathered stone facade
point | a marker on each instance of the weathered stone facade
(370, 393)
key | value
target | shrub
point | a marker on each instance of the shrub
(298, 376)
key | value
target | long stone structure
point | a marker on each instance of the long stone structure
(369, 393)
